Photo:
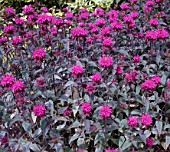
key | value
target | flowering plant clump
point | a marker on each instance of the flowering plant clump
(146, 120)
(39, 110)
(133, 121)
(77, 71)
(105, 111)
(87, 108)
(93, 80)
(39, 54)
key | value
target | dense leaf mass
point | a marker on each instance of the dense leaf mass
(89, 81)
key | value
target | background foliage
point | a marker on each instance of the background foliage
(135, 51)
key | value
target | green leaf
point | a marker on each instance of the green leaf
(163, 79)
(37, 132)
(15, 119)
(75, 124)
(123, 123)
(143, 137)
(147, 104)
(34, 118)
(57, 77)
(126, 144)
(43, 125)
(75, 110)
(86, 97)
(138, 88)
(27, 127)
(60, 127)
(74, 137)
(69, 83)
(147, 133)
(99, 148)
(80, 142)
(59, 147)
(159, 126)
(99, 137)
(50, 105)
(92, 64)
(121, 141)
(167, 142)
(34, 147)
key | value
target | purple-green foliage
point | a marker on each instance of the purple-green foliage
(64, 123)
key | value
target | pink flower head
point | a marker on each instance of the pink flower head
(146, 120)
(16, 40)
(96, 78)
(147, 9)
(28, 10)
(119, 70)
(54, 31)
(117, 25)
(124, 6)
(149, 142)
(168, 85)
(79, 32)
(134, 15)
(83, 10)
(148, 85)
(91, 25)
(9, 29)
(90, 88)
(99, 12)
(57, 21)
(39, 54)
(156, 80)
(40, 82)
(128, 20)
(134, 1)
(67, 112)
(105, 111)
(10, 11)
(151, 35)
(77, 71)
(44, 19)
(136, 59)
(80, 150)
(87, 108)
(68, 22)
(45, 9)
(19, 21)
(107, 42)
(7, 80)
(162, 34)
(159, 1)
(69, 15)
(84, 16)
(94, 30)
(133, 121)
(90, 40)
(131, 76)
(18, 86)
(100, 22)
(113, 15)
(154, 22)
(4, 140)
(82, 24)
(106, 61)
(39, 110)
(150, 3)
(3, 40)
(106, 31)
